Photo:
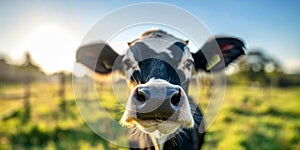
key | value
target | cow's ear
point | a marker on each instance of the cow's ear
(98, 57)
(209, 57)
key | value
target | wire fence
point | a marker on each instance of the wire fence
(23, 95)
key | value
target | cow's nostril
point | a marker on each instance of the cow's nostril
(142, 94)
(175, 99)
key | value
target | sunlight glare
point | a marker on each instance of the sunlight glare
(53, 48)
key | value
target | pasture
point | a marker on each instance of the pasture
(251, 118)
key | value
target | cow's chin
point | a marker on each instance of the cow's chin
(158, 128)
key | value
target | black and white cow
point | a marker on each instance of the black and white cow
(158, 67)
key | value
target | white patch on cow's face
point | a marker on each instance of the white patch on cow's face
(130, 63)
(186, 63)
(159, 46)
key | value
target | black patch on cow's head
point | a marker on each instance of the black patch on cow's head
(177, 50)
(179, 45)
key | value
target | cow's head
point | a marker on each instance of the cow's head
(158, 67)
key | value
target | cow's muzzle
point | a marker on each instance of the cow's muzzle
(161, 103)
(158, 105)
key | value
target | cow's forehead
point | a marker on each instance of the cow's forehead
(157, 54)
(158, 34)
(154, 42)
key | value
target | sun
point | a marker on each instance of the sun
(53, 47)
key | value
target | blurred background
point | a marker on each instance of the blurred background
(38, 40)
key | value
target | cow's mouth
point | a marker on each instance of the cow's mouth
(157, 126)
(160, 127)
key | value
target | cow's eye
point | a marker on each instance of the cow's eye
(188, 63)
(127, 64)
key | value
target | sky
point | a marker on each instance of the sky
(52, 30)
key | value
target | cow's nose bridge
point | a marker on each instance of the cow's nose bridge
(159, 69)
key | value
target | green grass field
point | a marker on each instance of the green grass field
(251, 118)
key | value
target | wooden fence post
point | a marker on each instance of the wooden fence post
(27, 109)
(62, 90)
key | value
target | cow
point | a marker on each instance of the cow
(158, 67)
